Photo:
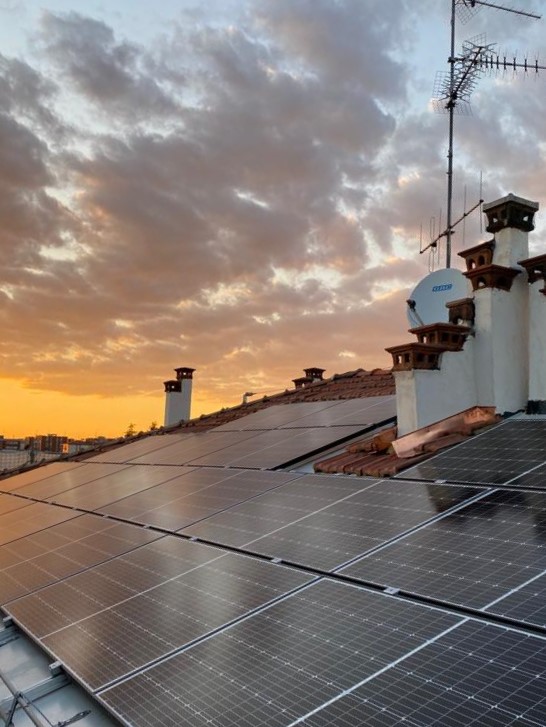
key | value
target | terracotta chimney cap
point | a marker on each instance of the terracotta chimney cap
(510, 211)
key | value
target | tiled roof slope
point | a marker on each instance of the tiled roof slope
(356, 384)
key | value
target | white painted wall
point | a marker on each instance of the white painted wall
(178, 404)
(425, 397)
(537, 342)
(511, 245)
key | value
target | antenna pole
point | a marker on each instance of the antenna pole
(451, 107)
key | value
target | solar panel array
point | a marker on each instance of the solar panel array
(182, 587)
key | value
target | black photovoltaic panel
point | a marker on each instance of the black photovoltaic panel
(106, 585)
(10, 502)
(126, 452)
(279, 664)
(60, 562)
(469, 558)
(175, 613)
(478, 674)
(494, 457)
(527, 604)
(264, 514)
(302, 415)
(348, 528)
(351, 412)
(37, 516)
(535, 478)
(195, 496)
(115, 486)
(276, 447)
(192, 446)
(34, 475)
(275, 416)
(67, 480)
(46, 540)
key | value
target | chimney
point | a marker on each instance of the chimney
(492, 352)
(178, 397)
(311, 375)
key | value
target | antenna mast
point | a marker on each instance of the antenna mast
(454, 92)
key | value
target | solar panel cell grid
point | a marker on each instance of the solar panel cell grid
(475, 675)
(116, 486)
(275, 416)
(276, 508)
(348, 528)
(27, 520)
(67, 480)
(66, 560)
(469, 558)
(192, 446)
(496, 456)
(527, 604)
(34, 475)
(9, 503)
(108, 584)
(126, 452)
(176, 613)
(277, 665)
(196, 496)
(351, 412)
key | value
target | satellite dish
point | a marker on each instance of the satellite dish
(427, 303)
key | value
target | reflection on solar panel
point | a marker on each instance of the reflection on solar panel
(535, 478)
(197, 495)
(10, 502)
(176, 612)
(476, 674)
(119, 484)
(67, 480)
(471, 557)
(274, 667)
(317, 414)
(496, 456)
(526, 604)
(191, 446)
(274, 509)
(126, 452)
(39, 473)
(108, 584)
(60, 561)
(26, 520)
(350, 527)
(276, 447)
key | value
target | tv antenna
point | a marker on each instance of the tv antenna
(452, 90)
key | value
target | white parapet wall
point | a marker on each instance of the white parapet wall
(537, 344)
(425, 397)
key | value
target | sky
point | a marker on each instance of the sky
(239, 187)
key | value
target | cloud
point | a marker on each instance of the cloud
(242, 196)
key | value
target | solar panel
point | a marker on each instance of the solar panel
(350, 412)
(108, 584)
(195, 496)
(126, 452)
(275, 416)
(469, 558)
(34, 475)
(268, 512)
(276, 447)
(176, 612)
(478, 674)
(526, 604)
(60, 562)
(350, 527)
(192, 446)
(535, 478)
(67, 480)
(274, 667)
(9, 503)
(27, 520)
(494, 457)
(115, 486)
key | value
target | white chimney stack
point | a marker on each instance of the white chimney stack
(178, 397)
(499, 361)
